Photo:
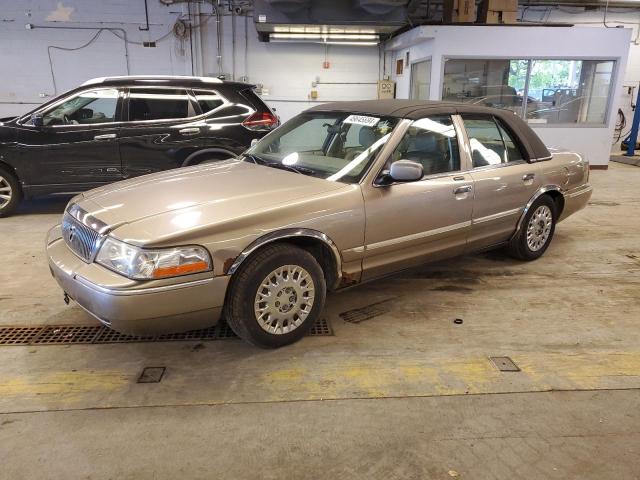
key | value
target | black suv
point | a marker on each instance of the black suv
(114, 128)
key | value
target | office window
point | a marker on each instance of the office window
(492, 83)
(541, 91)
(569, 91)
(420, 80)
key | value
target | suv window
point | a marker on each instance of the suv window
(90, 106)
(433, 143)
(489, 141)
(159, 104)
(208, 100)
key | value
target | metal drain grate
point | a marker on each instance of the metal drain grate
(66, 334)
(358, 315)
(321, 328)
(18, 335)
(97, 334)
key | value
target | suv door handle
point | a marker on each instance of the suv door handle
(528, 177)
(459, 190)
(106, 136)
(189, 131)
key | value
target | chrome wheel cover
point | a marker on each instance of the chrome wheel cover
(284, 299)
(539, 228)
(5, 192)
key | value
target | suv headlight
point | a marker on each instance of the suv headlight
(147, 264)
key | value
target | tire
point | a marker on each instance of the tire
(259, 317)
(536, 231)
(9, 187)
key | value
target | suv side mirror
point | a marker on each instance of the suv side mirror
(406, 171)
(37, 120)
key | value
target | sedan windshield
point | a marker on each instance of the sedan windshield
(336, 146)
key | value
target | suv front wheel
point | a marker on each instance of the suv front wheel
(276, 296)
(10, 192)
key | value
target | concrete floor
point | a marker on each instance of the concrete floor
(407, 394)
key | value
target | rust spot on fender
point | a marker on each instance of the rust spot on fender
(227, 264)
(348, 279)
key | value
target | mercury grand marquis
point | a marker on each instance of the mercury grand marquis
(340, 194)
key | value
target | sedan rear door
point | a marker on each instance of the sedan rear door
(504, 181)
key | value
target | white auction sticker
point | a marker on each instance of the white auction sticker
(362, 120)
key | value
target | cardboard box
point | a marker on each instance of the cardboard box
(459, 11)
(498, 11)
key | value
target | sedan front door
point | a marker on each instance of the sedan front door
(414, 222)
(76, 148)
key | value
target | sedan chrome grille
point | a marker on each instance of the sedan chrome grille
(81, 238)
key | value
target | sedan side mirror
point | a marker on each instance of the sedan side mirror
(37, 120)
(406, 171)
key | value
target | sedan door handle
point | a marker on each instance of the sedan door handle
(528, 177)
(459, 190)
(189, 131)
(106, 136)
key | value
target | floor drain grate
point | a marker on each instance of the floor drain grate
(321, 328)
(504, 364)
(358, 315)
(19, 335)
(95, 334)
(67, 334)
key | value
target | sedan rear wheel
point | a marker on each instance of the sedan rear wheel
(276, 296)
(10, 193)
(536, 231)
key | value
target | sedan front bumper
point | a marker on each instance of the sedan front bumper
(133, 307)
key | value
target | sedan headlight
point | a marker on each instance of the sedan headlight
(147, 264)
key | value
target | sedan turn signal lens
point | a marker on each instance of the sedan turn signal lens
(146, 264)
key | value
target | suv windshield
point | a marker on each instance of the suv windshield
(336, 146)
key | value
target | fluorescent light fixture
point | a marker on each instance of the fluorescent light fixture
(323, 36)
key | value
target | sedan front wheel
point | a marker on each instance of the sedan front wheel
(276, 296)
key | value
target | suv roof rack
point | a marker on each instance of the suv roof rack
(99, 80)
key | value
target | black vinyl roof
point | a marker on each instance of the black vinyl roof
(416, 109)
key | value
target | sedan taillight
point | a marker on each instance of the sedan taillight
(261, 121)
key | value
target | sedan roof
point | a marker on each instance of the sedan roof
(416, 109)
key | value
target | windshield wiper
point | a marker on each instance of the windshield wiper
(292, 168)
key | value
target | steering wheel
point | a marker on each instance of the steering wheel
(66, 119)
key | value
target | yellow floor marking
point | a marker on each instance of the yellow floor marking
(62, 385)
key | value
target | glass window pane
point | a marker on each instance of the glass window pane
(208, 100)
(431, 142)
(159, 104)
(513, 150)
(336, 146)
(569, 91)
(493, 83)
(93, 106)
(420, 80)
(485, 141)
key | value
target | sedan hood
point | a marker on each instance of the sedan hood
(219, 191)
